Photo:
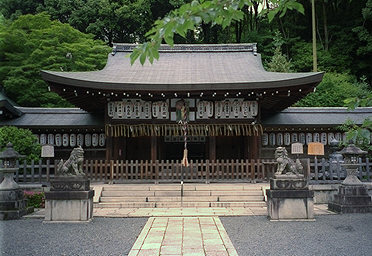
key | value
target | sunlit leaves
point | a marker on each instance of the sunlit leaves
(189, 16)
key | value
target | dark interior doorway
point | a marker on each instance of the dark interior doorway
(174, 150)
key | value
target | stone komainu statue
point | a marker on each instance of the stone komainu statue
(285, 164)
(74, 164)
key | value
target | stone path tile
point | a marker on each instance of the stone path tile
(319, 209)
(188, 236)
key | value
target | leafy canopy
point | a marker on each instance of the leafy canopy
(334, 89)
(190, 15)
(33, 43)
(24, 142)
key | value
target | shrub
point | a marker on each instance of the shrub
(35, 199)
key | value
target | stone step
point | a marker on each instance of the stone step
(185, 199)
(127, 193)
(178, 204)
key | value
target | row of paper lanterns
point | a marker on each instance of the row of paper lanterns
(279, 139)
(72, 140)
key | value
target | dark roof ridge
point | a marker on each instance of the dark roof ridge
(51, 110)
(326, 110)
(246, 47)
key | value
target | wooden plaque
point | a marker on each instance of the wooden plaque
(47, 151)
(315, 149)
(297, 148)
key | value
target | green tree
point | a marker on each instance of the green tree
(279, 62)
(333, 90)
(191, 15)
(33, 43)
(23, 141)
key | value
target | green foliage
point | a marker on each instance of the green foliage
(24, 142)
(189, 16)
(33, 43)
(360, 135)
(333, 90)
(279, 62)
(35, 199)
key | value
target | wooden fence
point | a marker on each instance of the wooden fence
(318, 171)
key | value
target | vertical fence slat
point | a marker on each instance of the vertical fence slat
(367, 170)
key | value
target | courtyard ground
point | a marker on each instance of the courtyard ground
(348, 234)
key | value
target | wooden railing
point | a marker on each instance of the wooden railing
(318, 171)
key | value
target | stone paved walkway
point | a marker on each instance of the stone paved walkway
(188, 236)
(319, 209)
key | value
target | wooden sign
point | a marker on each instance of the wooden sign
(315, 149)
(297, 148)
(47, 151)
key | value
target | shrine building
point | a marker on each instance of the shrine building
(236, 109)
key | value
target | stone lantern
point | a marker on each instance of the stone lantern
(12, 202)
(352, 194)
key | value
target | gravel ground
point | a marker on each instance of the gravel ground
(103, 236)
(348, 234)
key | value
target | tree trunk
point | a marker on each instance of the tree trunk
(326, 39)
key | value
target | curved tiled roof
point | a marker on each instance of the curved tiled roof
(188, 68)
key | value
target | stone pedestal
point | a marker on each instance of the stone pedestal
(351, 199)
(12, 202)
(289, 198)
(70, 200)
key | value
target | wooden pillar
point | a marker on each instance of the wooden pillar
(154, 148)
(212, 148)
(254, 147)
(109, 146)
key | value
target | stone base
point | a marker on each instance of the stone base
(13, 205)
(290, 204)
(69, 206)
(351, 199)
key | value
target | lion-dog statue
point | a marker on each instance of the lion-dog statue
(73, 165)
(285, 164)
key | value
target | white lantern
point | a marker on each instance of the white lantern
(209, 108)
(51, 139)
(254, 108)
(218, 109)
(226, 108)
(37, 138)
(272, 140)
(287, 139)
(147, 109)
(43, 139)
(102, 140)
(110, 109)
(302, 138)
(338, 136)
(80, 140)
(331, 136)
(95, 140)
(316, 137)
(279, 139)
(309, 138)
(72, 140)
(200, 109)
(88, 140)
(120, 109)
(294, 137)
(65, 140)
(323, 138)
(58, 139)
(265, 139)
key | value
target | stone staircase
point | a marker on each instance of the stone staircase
(169, 196)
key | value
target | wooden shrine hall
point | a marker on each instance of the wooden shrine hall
(225, 88)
